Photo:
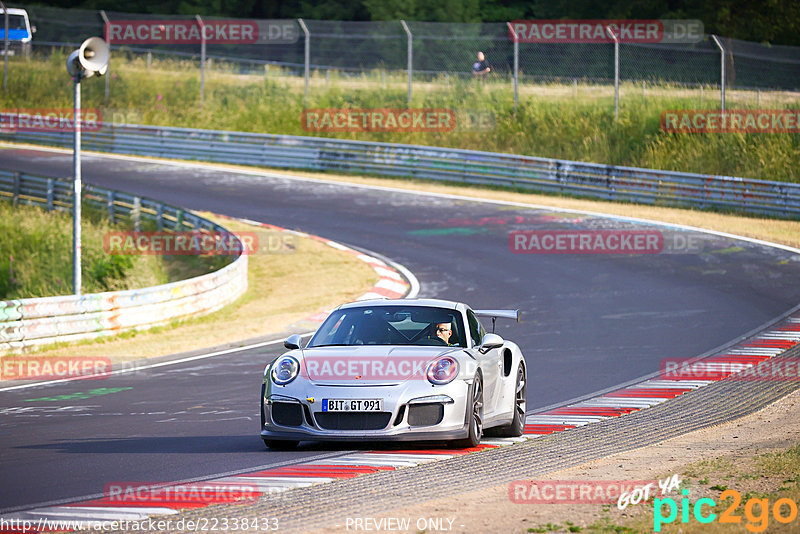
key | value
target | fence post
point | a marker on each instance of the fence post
(107, 74)
(307, 59)
(149, 58)
(722, 72)
(202, 57)
(616, 70)
(516, 64)
(5, 47)
(410, 54)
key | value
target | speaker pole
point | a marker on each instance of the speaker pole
(76, 192)
(89, 60)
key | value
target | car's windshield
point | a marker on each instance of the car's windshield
(15, 22)
(391, 325)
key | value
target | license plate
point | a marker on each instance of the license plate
(352, 405)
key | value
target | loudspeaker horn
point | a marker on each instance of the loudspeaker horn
(90, 59)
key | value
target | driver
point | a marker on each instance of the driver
(444, 331)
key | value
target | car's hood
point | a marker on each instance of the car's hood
(369, 365)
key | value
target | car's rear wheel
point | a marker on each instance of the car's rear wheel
(280, 445)
(475, 415)
(517, 425)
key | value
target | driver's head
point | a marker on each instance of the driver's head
(444, 331)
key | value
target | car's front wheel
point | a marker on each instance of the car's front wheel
(280, 445)
(475, 415)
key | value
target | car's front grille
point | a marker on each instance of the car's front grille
(352, 420)
(425, 414)
(287, 413)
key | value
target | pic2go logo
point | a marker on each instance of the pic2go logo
(756, 511)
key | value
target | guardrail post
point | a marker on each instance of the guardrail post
(610, 183)
(160, 217)
(410, 54)
(178, 220)
(110, 206)
(202, 57)
(722, 72)
(50, 185)
(137, 209)
(307, 59)
(15, 192)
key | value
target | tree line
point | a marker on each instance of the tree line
(765, 21)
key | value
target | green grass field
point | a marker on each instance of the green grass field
(36, 256)
(553, 120)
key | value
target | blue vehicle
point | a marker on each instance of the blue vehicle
(20, 32)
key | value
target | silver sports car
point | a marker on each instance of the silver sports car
(408, 369)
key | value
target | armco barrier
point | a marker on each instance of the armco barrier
(779, 199)
(37, 321)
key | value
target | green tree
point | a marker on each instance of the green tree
(425, 10)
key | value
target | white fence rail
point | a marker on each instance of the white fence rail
(39, 321)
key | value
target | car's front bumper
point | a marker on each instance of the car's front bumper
(401, 409)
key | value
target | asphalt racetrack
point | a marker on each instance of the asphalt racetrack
(589, 321)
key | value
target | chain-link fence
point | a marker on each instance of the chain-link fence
(422, 51)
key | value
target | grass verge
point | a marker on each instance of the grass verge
(552, 120)
(282, 289)
(36, 256)
(746, 491)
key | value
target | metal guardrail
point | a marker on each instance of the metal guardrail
(778, 199)
(36, 321)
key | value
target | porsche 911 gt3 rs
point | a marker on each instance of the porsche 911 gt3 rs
(407, 369)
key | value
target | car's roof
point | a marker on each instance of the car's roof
(429, 303)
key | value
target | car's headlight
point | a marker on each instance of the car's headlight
(285, 370)
(442, 371)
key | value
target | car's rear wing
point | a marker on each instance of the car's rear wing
(495, 314)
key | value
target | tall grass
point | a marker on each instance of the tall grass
(36, 256)
(553, 120)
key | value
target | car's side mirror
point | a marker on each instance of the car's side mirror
(293, 342)
(490, 341)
